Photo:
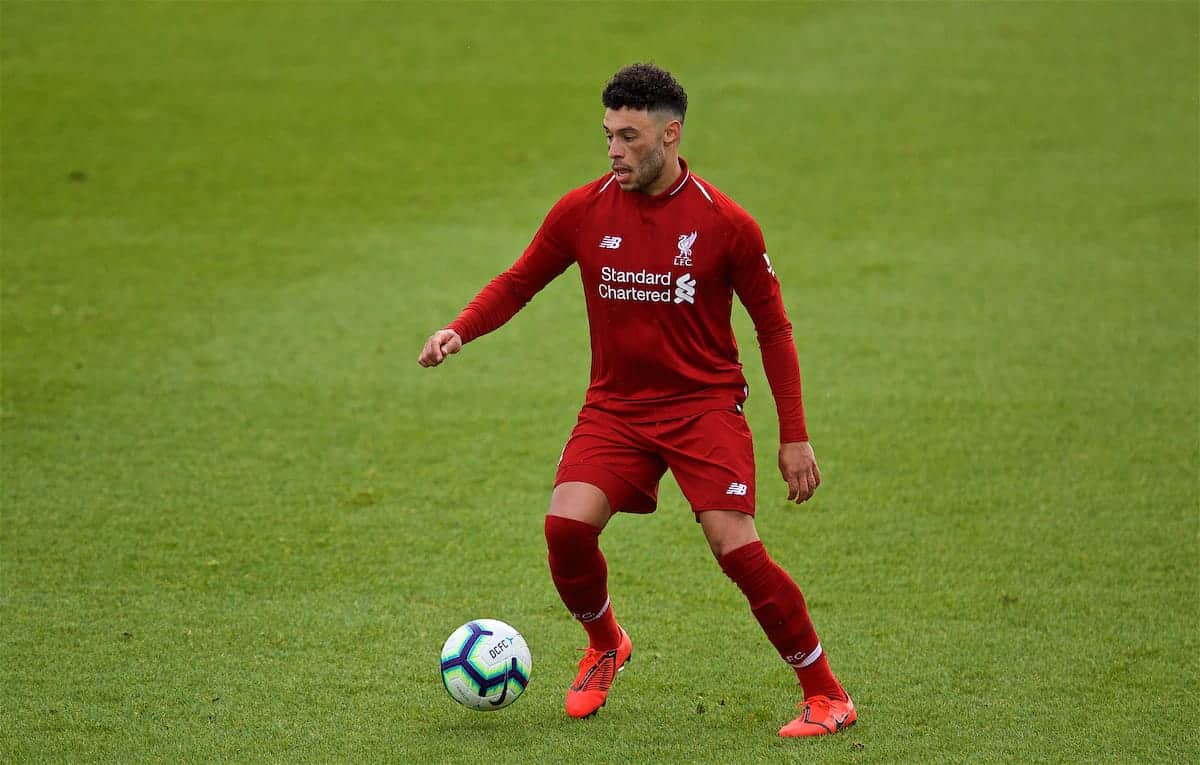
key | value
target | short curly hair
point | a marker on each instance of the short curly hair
(645, 86)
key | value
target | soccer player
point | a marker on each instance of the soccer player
(661, 253)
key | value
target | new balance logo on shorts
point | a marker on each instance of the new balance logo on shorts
(737, 489)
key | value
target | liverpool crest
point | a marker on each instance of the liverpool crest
(684, 258)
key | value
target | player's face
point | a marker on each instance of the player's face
(637, 142)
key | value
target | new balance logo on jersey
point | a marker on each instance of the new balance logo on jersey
(684, 258)
(610, 242)
(736, 489)
(770, 268)
(685, 289)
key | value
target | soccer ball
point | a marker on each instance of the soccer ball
(485, 665)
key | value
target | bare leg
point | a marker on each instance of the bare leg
(727, 530)
(582, 502)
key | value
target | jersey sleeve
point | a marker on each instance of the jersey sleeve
(757, 287)
(547, 256)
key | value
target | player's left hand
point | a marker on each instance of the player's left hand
(798, 465)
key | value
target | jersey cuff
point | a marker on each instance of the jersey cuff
(793, 435)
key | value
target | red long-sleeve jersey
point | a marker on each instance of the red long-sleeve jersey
(659, 274)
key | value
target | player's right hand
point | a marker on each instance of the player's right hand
(439, 345)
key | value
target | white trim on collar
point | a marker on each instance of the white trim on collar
(682, 183)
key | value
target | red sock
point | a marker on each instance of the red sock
(581, 576)
(778, 605)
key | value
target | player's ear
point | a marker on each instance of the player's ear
(672, 131)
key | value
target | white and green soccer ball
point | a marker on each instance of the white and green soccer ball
(485, 665)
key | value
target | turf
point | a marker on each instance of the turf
(238, 520)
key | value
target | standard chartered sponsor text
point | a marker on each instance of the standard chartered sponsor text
(609, 292)
(610, 276)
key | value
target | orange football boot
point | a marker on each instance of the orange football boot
(822, 716)
(597, 670)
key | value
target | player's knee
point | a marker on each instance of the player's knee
(722, 547)
(727, 530)
(568, 539)
(718, 550)
(582, 502)
(578, 513)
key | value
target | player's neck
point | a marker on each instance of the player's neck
(666, 179)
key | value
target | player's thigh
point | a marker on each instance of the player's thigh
(611, 456)
(711, 456)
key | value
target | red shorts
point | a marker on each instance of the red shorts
(711, 455)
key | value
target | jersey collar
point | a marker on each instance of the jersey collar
(685, 175)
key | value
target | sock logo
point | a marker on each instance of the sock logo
(802, 659)
(591, 616)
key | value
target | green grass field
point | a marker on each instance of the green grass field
(238, 519)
